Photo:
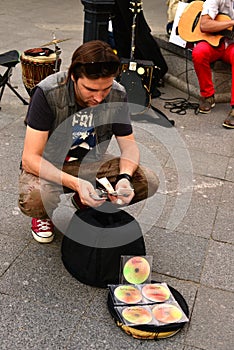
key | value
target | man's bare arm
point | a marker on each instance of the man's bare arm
(130, 155)
(209, 25)
(34, 163)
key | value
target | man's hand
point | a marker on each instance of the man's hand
(126, 192)
(86, 190)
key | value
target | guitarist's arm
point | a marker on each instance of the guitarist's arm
(209, 25)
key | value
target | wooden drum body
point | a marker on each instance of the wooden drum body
(36, 68)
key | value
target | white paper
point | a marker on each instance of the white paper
(174, 37)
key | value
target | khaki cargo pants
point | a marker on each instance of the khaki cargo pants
(39, 198)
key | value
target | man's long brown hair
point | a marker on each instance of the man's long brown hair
(89, 52)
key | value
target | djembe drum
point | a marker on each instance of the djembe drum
(36, 65)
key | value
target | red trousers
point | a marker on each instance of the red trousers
(203, 55)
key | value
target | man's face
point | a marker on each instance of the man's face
(91, 92)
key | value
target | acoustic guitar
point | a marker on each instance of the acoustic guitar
(189, 26)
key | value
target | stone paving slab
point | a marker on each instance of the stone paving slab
(224, 225)
(190, 348)
(29, 325)
(216, 143)
(9, 173)
(212, 320)
(176, 254)
(215, 166)
(9, 251)
(13, 223)
(205, 192)
(218, 270)
(230, 170)
(101, 336)
(161, 344)
(183, 208)
(39, 275)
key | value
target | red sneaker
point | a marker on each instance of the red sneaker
(42, 230)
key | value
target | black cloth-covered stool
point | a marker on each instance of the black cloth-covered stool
(9, 60)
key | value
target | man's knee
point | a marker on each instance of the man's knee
(31, 204)
(145, 182)
(153, 183)
(36, 199)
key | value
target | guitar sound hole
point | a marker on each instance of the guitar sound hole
(195, 22)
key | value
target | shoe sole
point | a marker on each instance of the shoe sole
(42, 239)
(227, 126)
(206, 112)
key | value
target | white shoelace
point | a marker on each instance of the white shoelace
(44, 224)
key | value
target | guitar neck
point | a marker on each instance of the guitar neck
(133, 37)
(136, 7)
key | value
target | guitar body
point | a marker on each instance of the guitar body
(189, 25)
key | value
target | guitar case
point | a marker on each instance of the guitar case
(138, 96)
(132, 74)
(138, 75)
(146, 47)
(151, 331)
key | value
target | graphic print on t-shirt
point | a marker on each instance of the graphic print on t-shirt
(83, 134)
